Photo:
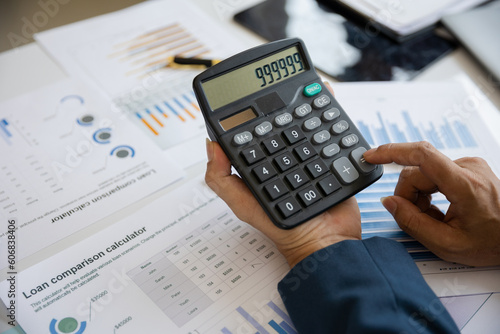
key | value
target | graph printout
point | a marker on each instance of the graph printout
(197, 270)
(127, 53)
(68, 160)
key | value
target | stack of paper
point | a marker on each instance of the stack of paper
(406, 17)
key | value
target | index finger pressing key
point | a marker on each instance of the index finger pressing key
(442, 171)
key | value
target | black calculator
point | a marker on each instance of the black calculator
(286, 135)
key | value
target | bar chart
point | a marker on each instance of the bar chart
(377, 222)
(168, 115)
(271, 318)
(151, 50)
(440, 132)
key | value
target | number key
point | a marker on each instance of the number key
(309, 195)
(316, 168)
(276, 189)
(273, 144)
(285, 161)
(293, 135)
(288, 207)
(305, 151)
(296, 179)
(252, 155)
(264, 172)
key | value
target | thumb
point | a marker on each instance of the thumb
(412, 220)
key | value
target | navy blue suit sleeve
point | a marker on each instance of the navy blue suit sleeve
(369, 286)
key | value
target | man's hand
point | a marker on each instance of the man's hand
(469, 232)
(341, 222)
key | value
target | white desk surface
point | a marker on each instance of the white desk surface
(28, 67)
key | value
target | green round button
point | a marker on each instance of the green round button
(312, 89)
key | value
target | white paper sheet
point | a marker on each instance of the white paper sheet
(68, 160)
(184, 232)
(124, 53)
(183, 264)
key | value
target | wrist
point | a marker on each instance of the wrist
(294, 255)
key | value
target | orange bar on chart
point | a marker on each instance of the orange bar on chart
(147, 124)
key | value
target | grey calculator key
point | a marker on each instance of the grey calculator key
(345, 170)
(321, 137)
(321, 101)
(283, 119)
(312, 123)
(340, 127)
(349, 140)
(303, 110)
(242, 138)
(263, 128)
(330, 150)
(330, 114)
(360, 162)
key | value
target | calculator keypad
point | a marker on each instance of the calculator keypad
(303, 155)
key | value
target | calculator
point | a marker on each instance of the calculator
(284, 133)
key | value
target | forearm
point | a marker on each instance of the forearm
(362, 286)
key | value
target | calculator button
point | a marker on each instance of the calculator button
(263, 128)
(360, 162)
(312, 123)
(330, 150)
(242, 138)
(316, 168)
(297, 178)
(345, 170)
(340, 127)
(329, 185)
(309, 196)
(293, 135)
(252, 155)
(264, 172)
(288, 207)
(330, 114)
(283, 119)
(321, 137)
(305, 151)
(312, 89)
(349, 140)
(273, 144)
(321, 101)
(302, 110)
(276, 189)
(285, 161)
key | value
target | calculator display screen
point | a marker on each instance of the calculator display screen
(254, 77)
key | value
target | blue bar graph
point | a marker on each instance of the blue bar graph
(365, 130)
(287, 320)
(251, 320)
(438, 132)
(277, 327)
(376, 221)
(4, 131)
(288, 328)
